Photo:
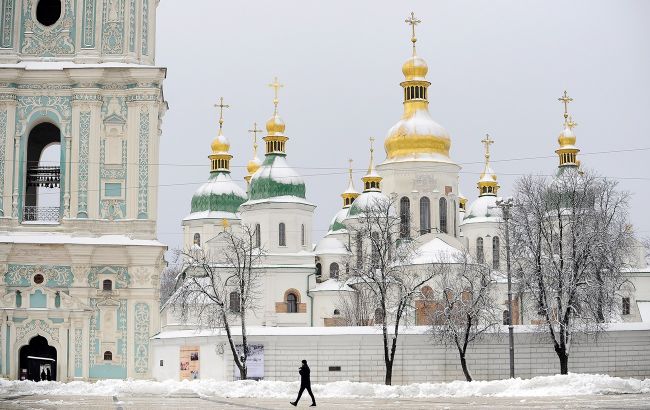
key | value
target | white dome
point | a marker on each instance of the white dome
(483, 209)
(330, 246)
(365, 201)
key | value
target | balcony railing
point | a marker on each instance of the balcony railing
(41, 214)
(47, 177)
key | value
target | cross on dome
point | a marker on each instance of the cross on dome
(565, 99)
(221, 106)
(276, 86)
(487, 142)
(254, 131)
(571, 124)
(413, 21)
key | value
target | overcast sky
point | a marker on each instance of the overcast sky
(494, 66)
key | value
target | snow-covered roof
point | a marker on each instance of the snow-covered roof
(289, 199)
(59, 238)
(337, 222)
(220, 184)
(279, 171)
(330, 246)
(331, 285)
(212, 215)
(61, 65)
(436, 251)
(483, 209)
(365, 201)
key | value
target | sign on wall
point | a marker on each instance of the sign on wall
(189, 362)
(255, 362)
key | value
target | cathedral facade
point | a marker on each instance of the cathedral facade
(81, 106)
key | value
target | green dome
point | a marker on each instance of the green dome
(220, 193)
(276, 178)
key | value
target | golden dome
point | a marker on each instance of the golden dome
(275, 125)
(253, 165)
(220, 144)
(416, 135)
(415, 68)
(567, 137)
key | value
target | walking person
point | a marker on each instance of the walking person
(43, 374)
(305, 383)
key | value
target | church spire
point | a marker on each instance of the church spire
(567, 152)
(416, 135)
(372, 180)
(487, 183)
(220, 157)
(275, 139)
(350, 194)
(255, 163)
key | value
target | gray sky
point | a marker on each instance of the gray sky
(496, 67)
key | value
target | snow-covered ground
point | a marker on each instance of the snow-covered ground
(572, 384)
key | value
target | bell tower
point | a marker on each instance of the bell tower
(81, 107)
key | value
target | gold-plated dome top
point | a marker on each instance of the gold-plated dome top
(568, 152)
(220, 157)
(254, 164)
(275, 139)
(275, 125)
(487, 184)
(415, 68)
(416, 135)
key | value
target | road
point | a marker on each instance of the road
(191, 401)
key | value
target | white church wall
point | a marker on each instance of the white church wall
(622, 351)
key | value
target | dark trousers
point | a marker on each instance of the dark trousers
(302, 389)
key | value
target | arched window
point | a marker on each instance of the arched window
(282, 234)
(107, 285)
(506, 317)
(234, 302)
(496, 253)
(302, 235)
(425, 215)
(42, 200)
(427, 292)
(442, 204)
(108, 355)
(337, 312)
(258, 237)
(359, 245)
(292, 303)
(334, 270)
(19, 299)
(479, 250)
(319, 270)
(197, 239)
(57, 300)
(379, 315)
(404, 217)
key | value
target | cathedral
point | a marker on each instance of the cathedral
(81, 105)
(304, 284)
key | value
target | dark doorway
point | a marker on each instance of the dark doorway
(43, 176)
(36, 359)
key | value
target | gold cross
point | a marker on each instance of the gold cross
(275, 85)
(255, 130)
(487, 142)
(413, 21)
(221, 106)
(350, 168)
(565, 99)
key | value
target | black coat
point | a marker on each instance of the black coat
(304, 375)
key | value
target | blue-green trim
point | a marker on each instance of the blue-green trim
(84, 138)
(141, 338)
(7, 24)
(8, 351)
(56, 276)
(266, 187)
(119, 275)
(3, 145)
(37, 299)
(145, 27)
(88, 24)
(143, 165)
(78, 351)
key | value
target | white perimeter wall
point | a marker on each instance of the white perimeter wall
(624, 353)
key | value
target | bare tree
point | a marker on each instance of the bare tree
(357, 308)
(219, 293)
(380, 268)
(467, 310)
(169, 275)
(572, 242)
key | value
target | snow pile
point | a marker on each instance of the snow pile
(572, 384)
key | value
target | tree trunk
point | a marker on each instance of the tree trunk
(389, 373)
(463, 363)
(564, 359)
